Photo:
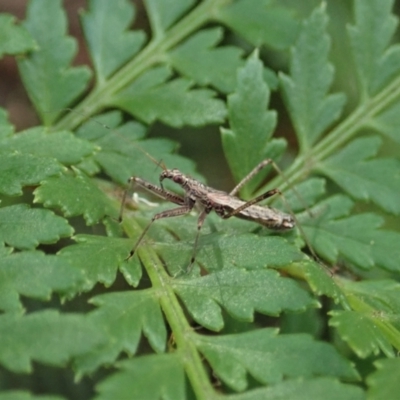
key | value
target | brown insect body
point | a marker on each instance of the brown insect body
(269, 217)
(226, 205)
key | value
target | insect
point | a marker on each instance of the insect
(208, 199)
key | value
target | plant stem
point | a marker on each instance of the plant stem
(182, 331)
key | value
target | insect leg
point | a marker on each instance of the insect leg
(175, 212)
(252, 173)
(164, 194)
(257, 169)
(249, 203)
(200, 222)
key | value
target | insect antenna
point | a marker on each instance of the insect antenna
(159, 163)
(162, 165)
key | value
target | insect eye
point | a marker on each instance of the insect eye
(177, 179)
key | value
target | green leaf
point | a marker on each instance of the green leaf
(360, 333)
(18, 170)
(235, 250)
(102, 24)
(75, 195)
(6, 129)
(62, 145)
(163, 14)
(199, 59)
(247, 142)
(14, 39)
(388, 122)
(320, 388)
(232, 284)
(132, 270)
(380, 294)
(23, 395)
(365, 177)
(34, 274)
(231, 250)
(370, 37)
(24, 227)
(384, 382)
(240, 293)
(124, 152)
(378, 301)
(98, 258)
(46, 336)
(123, 317)
(310, 322)
(303, 195)
(117, 143)
(146, 377)
(321, 283)
(49, 80)
(261, 22)
(151, 97)
(384, 249)
(289, 356)
(311, 109)
(357, 238)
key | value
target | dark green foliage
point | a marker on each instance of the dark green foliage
(14, 39)
(147, 327)
(50, 81)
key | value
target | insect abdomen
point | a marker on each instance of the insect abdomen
(268, 217)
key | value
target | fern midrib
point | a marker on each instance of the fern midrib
(154, 53)
(175, 316)
(308, 162)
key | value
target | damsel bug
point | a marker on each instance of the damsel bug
(206, 198)
(224, 204)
